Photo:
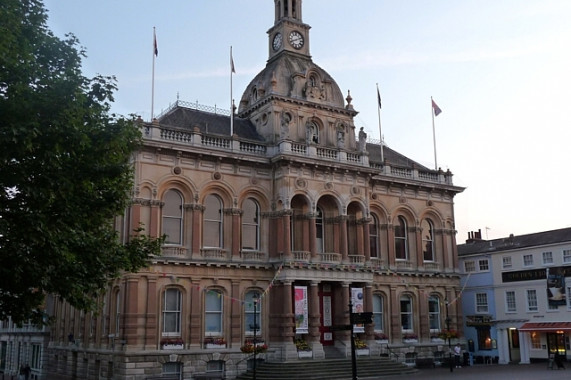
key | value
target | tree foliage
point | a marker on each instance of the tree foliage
(65, 170)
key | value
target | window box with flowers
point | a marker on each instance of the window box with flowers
(213, 342)
(361, 348)
(172, 344)
(410, 338)
(381, 338)
(250, 346)
(303, 349)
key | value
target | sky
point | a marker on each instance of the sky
(500, 70)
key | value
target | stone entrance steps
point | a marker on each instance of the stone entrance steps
(333, 369)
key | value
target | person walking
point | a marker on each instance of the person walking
(457, 354)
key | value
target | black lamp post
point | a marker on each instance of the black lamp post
(448, 333)
(255, 299)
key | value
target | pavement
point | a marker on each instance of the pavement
(534, 371)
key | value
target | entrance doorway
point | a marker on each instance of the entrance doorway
(326, 312)
(556, 344)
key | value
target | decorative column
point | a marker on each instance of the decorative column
(130, 328)
(345, 314)
(396, 329)
(286, 228)
(419, 247)
(197, 211)
(154, 230)
(195, 319)
(343, 239)
(235, 244)
(311, 238)
(150, 336)
(391, 245)
(235, 316)
(367, 239)
(368, 294)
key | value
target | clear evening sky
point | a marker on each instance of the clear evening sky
(500, 70)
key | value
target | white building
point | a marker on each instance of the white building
(517, 289)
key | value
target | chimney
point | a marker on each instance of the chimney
(474, 236)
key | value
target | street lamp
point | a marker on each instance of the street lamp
(449, 338)
(255, 299)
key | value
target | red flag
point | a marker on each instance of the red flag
(436, 109)
(155, 46)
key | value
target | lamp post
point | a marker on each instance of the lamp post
(255, 299)
(448, 333)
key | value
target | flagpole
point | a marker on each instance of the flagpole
(433, 132)
(231, 100)
(380, 130)
(153, 78)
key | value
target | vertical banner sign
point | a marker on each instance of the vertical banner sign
(357, 301)
(301, 312)
(556, 287)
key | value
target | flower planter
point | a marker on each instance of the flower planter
(215, 346)
(410, 340)
(382, 341)
(179, 346)
(305, 354)
(437, 340)
(362, 352)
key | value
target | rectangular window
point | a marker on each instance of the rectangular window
(469, 266)
(484, 265)
(406, 313)
(172, 370)
(569, 297)
(434, 313)
(36, 356)
(506, 262)
(532, 300)
(171, 312)
(213, 313)
(378, 312)
(527, 260)
(510, 302)
(567, 255)
(481, 302)
(547, 258)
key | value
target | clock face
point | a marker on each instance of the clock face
(296, 39)
(277, 43)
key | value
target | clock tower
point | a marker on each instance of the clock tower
(289, 33)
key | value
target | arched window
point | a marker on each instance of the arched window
(172, 309)
(434, 313)
(374, 236)
(378, 312)
(172, 217)
(213, 222)
(250, 225)
(427, 240)
(401, 243)
(213, 313)
(252, 317)
(406, 314)
(319, 230)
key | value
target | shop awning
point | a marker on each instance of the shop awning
(546, 326)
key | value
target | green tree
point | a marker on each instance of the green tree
(65, 171)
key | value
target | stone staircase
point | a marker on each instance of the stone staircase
(330, 369)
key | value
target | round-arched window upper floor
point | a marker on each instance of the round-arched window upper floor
(172, 217)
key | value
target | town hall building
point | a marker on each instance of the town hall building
(277, 216)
